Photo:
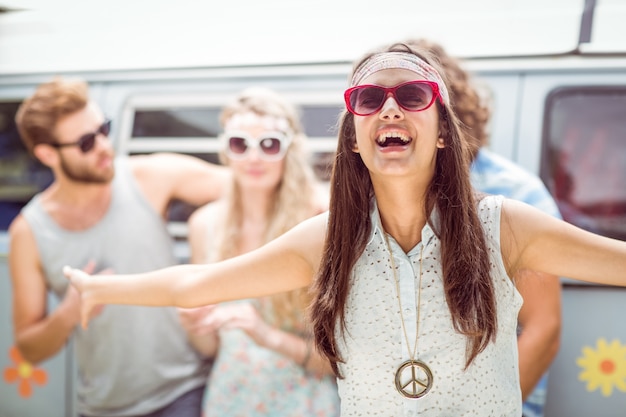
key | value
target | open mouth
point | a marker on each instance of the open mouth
(392, 139)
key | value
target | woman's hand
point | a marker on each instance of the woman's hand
(242, 316)
(192, 319)
(203, 339)
(80, 281)
(202, 325)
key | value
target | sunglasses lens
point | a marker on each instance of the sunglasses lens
(237, 145)
(270, 146)
(105, 129)
(414, 96)
(87, 142)
(367, 100)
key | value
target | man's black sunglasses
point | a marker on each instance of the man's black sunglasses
(87, 141)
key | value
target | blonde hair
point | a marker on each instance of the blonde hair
(294, 200)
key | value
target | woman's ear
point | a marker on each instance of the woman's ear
(355, 147)
(441, 143)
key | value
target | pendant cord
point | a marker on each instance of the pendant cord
(418, 300)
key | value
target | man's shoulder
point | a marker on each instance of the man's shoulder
(20, 239)
(18, 226)
(496, 169)
(490, 162)
(495, 174)
(32, 209)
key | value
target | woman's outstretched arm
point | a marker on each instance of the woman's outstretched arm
(287, 263)
(533, 240)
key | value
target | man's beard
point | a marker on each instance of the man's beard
(82, 175)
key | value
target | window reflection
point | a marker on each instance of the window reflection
(584, 157)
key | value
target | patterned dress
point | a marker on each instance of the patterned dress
(248, 380)
(251, 381)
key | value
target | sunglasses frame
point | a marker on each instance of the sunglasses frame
(283, 139)
(433, 85)
(87, 142)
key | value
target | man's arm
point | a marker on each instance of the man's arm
(540, 320)
(38, 335)
(164, 177)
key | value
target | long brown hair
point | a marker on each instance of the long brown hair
(465, 261)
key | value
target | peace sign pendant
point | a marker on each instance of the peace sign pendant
(414, 379)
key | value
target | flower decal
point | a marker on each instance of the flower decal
(23, 373)
(604, 367)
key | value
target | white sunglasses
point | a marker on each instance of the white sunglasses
(271, 146)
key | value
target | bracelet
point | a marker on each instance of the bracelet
(307, 354)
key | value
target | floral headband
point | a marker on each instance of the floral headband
(400, 60)
(249, 118)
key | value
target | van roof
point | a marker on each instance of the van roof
(39, 36)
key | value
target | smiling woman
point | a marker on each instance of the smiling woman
(272, 189)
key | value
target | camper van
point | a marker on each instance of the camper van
(559, 98)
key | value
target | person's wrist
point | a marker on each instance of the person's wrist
(272, 338)
(70, 312)
(97, 289)
(308, 346)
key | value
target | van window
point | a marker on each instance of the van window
(194, 129)
(197, 122)
(21, 175)
(178, 122)
(320, 124)
(583, 160)
(319, 121)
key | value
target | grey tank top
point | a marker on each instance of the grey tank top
(131, 360)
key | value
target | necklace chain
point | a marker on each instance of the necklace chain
(418, 300)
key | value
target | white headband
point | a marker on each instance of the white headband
(268, 122)
(400, 60)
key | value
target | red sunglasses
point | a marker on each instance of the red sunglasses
(417, 95)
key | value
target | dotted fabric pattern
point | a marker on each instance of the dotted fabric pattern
(373, 345)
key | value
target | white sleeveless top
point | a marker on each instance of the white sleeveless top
(373, 345)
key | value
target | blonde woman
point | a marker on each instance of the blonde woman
(264, 360)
